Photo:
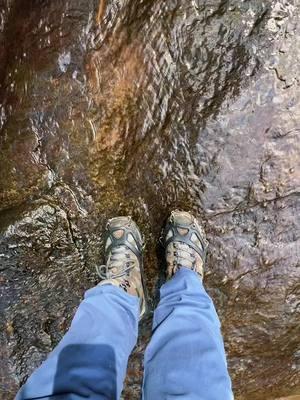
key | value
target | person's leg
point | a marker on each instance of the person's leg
(185, 358)
(91, 360)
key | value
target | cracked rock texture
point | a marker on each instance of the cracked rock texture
(139, 107)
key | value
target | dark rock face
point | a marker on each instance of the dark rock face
(158, 105)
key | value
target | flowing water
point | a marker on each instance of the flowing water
(139, 107)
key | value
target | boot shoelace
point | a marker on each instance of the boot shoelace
(184, 255)
(118, 265)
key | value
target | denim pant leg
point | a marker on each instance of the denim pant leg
(91, 360)
(185, 358)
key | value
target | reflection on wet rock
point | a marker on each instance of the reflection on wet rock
(118, 107)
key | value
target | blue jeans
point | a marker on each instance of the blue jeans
(185, 358)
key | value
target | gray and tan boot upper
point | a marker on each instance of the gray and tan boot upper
(124, 258)
(185, 243)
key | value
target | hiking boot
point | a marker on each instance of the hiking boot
(123, 257)
(185, 243)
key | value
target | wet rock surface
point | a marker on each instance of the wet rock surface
(139, 107)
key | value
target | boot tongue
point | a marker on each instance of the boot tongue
(118, 257)
(183, 255)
